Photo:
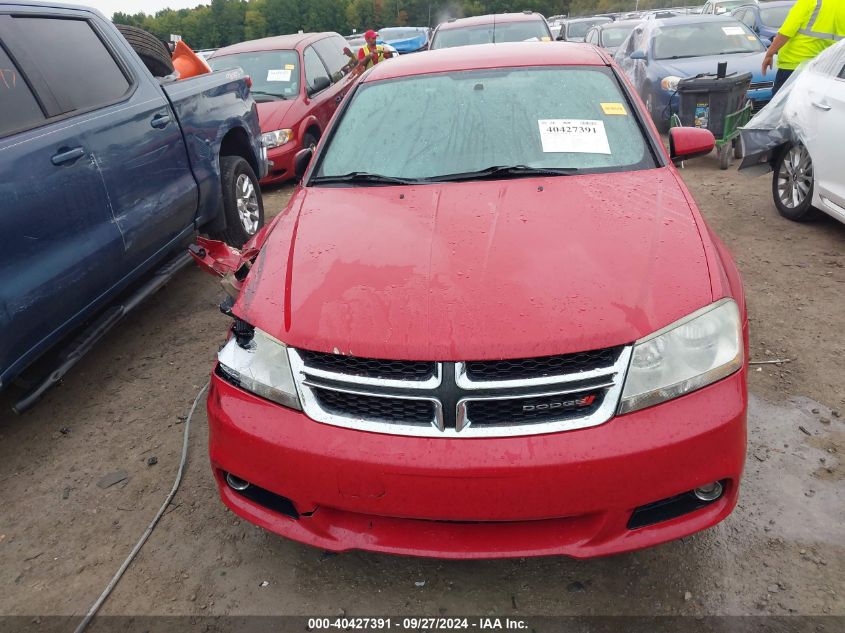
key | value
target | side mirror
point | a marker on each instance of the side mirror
(766, 41)
(690, 142)
(637, 55)
(320, 83)
(301, 160)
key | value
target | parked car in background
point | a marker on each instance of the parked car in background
(801, 135)
(661, 52)
(405, 375)
(298, 81)
(205, 53)
(764, 18)
(575, 30)
(107, 174)
(719, 7)
(404, 39)
(610, 35)
(555, 30)
(485, 29)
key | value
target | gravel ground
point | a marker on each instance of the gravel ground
(781, 552)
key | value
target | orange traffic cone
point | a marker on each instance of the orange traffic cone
(187, 63)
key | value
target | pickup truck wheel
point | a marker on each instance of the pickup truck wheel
(242, 202)
(152, 51)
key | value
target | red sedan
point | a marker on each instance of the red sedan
(298, 81)
(491, 322)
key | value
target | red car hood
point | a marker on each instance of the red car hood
(479, 270)
(271, 114)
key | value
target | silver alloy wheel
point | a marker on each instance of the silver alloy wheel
(247, 199)
(795, 177)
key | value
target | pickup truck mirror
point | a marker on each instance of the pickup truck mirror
(301, 161)
(320, 83)
(689, 142)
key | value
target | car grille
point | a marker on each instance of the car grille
(461, 399)
(526, 368)
(369, 367)
(761, 85)
(758, 104)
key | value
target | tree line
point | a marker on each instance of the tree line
(224, 22)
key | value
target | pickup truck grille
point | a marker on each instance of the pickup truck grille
(461, 399)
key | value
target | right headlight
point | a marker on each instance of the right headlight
(259, 363)
(696, 351)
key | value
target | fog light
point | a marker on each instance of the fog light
(236, 483)
(709, 492)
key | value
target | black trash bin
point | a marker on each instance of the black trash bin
(706, 100)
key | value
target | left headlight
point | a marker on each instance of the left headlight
(276, 138)
(260, 364)
(670, 83)
(696, 351)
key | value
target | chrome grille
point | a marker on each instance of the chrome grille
(461, 399)
(761, 85)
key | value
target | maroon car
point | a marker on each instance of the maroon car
(297, 81)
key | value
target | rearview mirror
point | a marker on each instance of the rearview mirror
(690, 142)
(300, 162)
(320, 83)
(637, 55)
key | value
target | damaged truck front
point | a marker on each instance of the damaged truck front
(106, 173)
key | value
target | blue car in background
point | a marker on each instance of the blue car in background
(659, 53)
(764, 19)
(405, 39)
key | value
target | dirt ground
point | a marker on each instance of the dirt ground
(782, 551)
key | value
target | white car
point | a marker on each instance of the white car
(803, 132)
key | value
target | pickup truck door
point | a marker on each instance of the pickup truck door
(136, 139)
(61, 245)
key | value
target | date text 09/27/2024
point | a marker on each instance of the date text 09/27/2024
(417, 624)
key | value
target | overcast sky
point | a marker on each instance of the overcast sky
(108, 7)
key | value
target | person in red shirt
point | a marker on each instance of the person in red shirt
(371, 53)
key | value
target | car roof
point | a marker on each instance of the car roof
(602, 18)
(484, 56)
(296, 41)
(604, 25)
(693, 19)
(501, 18)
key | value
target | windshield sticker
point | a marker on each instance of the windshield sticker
(613, 108)
(733, 30)
(578, 136)
(289, 66)
(751, 38)
(278, 75)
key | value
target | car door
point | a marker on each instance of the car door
(826, 138)
(61, 245)
(330, 51)
(137, 141)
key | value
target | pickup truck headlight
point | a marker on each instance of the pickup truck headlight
(670, 83)
(696, 351)
(260, 364)
(276, 138)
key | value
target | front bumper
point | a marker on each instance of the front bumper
(282, 159)
(569, 493)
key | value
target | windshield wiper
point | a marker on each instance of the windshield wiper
(273, 97)
(363, 177)
(506, 171)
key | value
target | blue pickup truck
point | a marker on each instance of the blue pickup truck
(106, 173)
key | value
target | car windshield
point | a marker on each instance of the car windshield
(723, 7)
(579, 29)
(274, 74)
(774, 16)
(446, 124)
(486, 33)
(393, 35)
(704, 39)
(614, 35)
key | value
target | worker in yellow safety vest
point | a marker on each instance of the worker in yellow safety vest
(371, 53)
(810, 27)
